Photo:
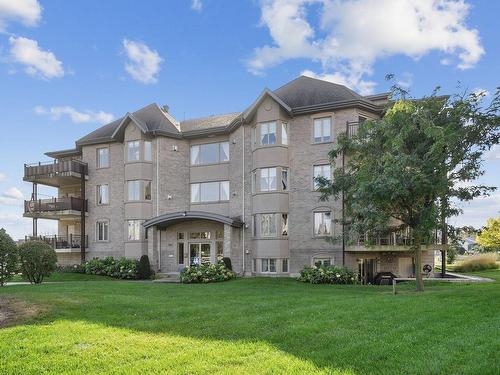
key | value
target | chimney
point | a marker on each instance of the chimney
(165, 108)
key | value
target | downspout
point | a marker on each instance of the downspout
(243, 191)
(157, 175)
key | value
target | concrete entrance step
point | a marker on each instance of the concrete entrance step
(167, 277)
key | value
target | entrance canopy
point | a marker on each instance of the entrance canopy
(166, 220)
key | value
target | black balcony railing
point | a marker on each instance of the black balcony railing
(390, 239)
(54, 168)
(55, 204)
(73, 241)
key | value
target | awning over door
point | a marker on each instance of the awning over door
(166, 220)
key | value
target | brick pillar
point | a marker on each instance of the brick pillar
(227, 240)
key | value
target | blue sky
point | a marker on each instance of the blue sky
(66, 67)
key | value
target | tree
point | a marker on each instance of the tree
(144, 271)
(38, 260)
(8, 257)
(489, 238)
(404, 171)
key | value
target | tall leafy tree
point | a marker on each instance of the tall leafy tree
(489, 238)
(8, 257)
(407, 170)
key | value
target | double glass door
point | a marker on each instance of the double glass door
(199, 253)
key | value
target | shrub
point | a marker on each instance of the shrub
(122, 268)
(144, 271)
(206, 273)
(8, 257)
(38, 260)
(328, 275)
(478, 263)
(227, 263)
(74, 268)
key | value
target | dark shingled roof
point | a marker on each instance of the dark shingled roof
(152, 118)
(209, 122)
(306, 91)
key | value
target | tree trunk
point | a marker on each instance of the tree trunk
(418, 265)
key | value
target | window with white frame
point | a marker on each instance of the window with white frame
(284, 133)
(323, 223)
(102, 194)
(284, 224)
(268, 265)
(268, 133)
(134, 230)
(147, 190)
(134, 190)
(102, 230)
(284, 179)
(268, 225)
(268, 179)
(103, 157)
(210, 192)
(133, 151)
(284, 265)
(322, 262)
(210, 153)
(148, 155)
(322, 130)
(322, 170)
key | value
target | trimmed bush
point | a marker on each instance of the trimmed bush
(122, 268)
(144, 271)
(478, 263)
(38, 260)
(227, 263)
(206, 273)
(8, 257)
(328, 275)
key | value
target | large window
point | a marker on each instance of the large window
(102, 194)
(102, 230)
(322, 170)
(268, 225)
(268, 265)
(134, 190)
(134, 230)
(284, 224)
(147, 151)
(284, 179)
(322, 262)
(103, 157)
(210, 192)
(284, 133)
(211, 153)
(322, 129)
(133, 151)
(322, 223)
(268, 179)
(147, 190)
(268, 133)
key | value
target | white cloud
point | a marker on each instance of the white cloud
(143, 64)
(481, 92)
(477, 211)
(196, 5)
(3, 177)
(28, 12)
(352, 35)
(37, 62)
(405, 80)
(13, 193)
(493, 153)
(76, 116)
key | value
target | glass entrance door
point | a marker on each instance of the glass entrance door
(199, 253)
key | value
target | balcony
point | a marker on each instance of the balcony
(57, 173)
(62, 244)
(394, 241)
(55, 208)
(352, 129)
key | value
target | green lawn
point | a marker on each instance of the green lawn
(256, 326)
(59, 276)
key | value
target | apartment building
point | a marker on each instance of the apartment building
(239, 185)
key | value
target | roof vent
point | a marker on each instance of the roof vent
(165, 108)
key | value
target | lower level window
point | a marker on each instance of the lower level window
(268, 265)
(102, 230)
(322, 223)
(219, 247)
(134, 230)
(323, 262)
(284, 265)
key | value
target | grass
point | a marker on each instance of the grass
(255, 326)
(60, 276)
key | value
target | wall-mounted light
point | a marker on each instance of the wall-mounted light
(169, 197)
(174, 148)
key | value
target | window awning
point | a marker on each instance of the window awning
(166, 220)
